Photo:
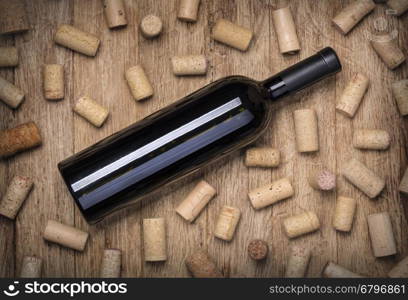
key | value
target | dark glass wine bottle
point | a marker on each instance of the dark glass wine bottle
(183, 137)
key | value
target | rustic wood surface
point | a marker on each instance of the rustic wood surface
(102, 78)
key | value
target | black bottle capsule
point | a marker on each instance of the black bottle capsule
(181, 138)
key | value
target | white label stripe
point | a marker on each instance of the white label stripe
(123, 161)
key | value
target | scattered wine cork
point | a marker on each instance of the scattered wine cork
(151, 26)
(387, 49)
(381, 234)
(115, 13)
(154, 236)
(53, 77)
(91, 111)
(138, 82)
(258, 249)
(8, 57)
(227, 223)
(323, 180)
(285, 30)
(188, 10)
(77, 40)
(344, 213)
(271, 193)
(201, 265)
(363, 178)
(189, 65)
(333, 270)
(20, 138)
(195, 201)
(298, 262)
(398, 6)
(232, 34)
(352, 14)
(400, 270)
(31, 267)
(301, 224)
(400, 92)
(403, 187)
(262, 157)
(65, 235)
(10, 94)
(17, 192)
(371, 139)
(352, 95)
(13, 17)
(111, 263)
(306, 130)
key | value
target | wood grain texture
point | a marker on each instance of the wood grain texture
(102, 78)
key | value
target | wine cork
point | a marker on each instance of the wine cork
(232, 34)
(352, 14)
(17, 192)
(154, 237)
(403, 187)
(10, 94)
(262, 157)
(8, 57)
(285, 30)
(20, 138)
(31, 267)
(65, 235)
(188, 10)
(258, 249)
(400, 92)
(201, 265)
(189, 65)
(352, 95)
(371, 139)
(298, 262)
(115, 13)
(344, 213)
(151, 26)
(306, 130)
(111, 263)
(13, 17)
(91, 111)
(53, 77)
(77, 40)
(363, 178)
(400, 270)
(387, 49)
(195, 201)
(227, 223)
(381, 234)
(138, 82)
(271, 193)
(333, 270)
(301, 224)
(323, 180)
(398, 6)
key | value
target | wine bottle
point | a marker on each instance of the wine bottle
(183, 137)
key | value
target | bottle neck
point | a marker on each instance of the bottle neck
(275, 87)
(304, 73)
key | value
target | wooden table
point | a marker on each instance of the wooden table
(102, 78)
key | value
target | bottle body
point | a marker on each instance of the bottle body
(167, 145)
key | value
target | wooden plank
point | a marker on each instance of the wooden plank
(49, 198)
(7, 243)
(92, 77)
(182, 38)
(122, 230)
(377, 110)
